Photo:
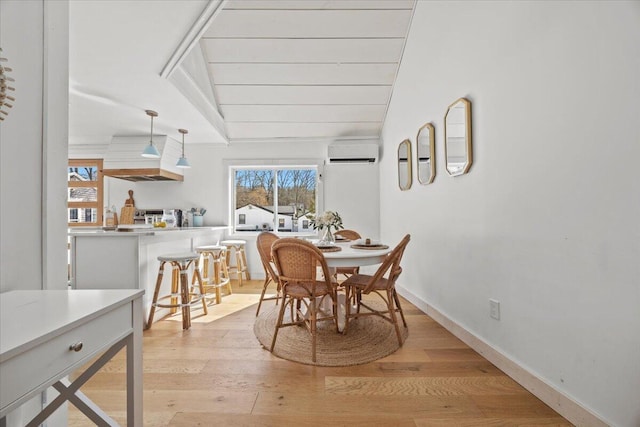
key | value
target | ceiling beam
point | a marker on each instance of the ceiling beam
(192, 38)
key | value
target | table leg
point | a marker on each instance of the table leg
(134, 368)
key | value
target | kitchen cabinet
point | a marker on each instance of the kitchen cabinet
(128, 259)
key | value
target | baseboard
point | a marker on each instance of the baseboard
(561, 403)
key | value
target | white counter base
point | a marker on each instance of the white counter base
(129, 260)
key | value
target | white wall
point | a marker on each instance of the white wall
(21, 148)
(34, 36)
(350, 189)
(546, 221)
(33, 146)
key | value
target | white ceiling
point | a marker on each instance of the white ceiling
(305, 69)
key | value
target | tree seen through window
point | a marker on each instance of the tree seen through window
(266, 197)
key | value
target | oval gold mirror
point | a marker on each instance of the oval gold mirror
(426, 154)
(404, 165)
(457, 137)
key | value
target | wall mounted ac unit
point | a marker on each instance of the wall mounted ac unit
(353, 153)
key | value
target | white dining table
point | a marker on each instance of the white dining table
(350, 257)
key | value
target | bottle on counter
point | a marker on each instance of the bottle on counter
(187, 218)
(109, 218)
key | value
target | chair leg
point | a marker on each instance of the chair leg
(334, 298)
(216, 279)
(156, 292)
(267, 280)
(204, 257)
(239, 266)
(392, 314)
(186, 308)
(397, 300)
(175, 288)
(312, 323)
(225, 273)
(196, 273)
(278, 325)
(347, 309)
(245, 268)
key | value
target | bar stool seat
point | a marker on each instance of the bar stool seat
(241, 259)
(180, 263)
(219, 278)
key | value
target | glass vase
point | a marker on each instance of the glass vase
(327, 236)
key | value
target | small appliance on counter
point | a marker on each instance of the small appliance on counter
(169, 217)
(172, 217)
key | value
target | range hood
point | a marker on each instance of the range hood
(123, 160)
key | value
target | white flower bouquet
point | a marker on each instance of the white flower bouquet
(329, 219)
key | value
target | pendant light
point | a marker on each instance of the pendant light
(150, 150)
(182, 161)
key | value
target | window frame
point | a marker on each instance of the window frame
(230, 166)
(98, 183)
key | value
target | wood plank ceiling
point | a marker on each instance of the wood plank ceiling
(306, 69)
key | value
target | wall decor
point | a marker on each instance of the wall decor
(457, 137)
(5, 80)
(425, 145)
(404, 165)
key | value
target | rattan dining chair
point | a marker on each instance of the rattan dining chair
(264, 242)
(385, 287)
(350, 235)
(296, 261)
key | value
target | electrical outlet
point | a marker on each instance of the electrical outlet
(494, 309)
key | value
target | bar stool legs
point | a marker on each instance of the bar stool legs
(181, 296)
(241, 267)
(219, 277)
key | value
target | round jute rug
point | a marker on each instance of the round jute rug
(369, 338)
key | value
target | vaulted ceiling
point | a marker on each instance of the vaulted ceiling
(237, 70)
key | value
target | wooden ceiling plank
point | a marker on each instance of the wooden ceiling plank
(304, 113)
(312, 95)
(310, 24)
(301, 130)
(319, 4)
(304, 74)
(302, 50)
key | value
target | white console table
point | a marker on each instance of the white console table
(46, 335)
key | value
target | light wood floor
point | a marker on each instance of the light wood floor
(217, 373)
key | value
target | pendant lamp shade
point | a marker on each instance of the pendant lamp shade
(182, 161)
(150, 151)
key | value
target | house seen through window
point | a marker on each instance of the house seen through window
(84, 195)
(270, 199)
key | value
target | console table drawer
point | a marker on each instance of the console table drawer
(49, 360)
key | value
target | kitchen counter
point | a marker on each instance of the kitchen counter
(103, 259)
(77, 231)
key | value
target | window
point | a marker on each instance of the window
(264, 196)
(84, 196)
(305, 224)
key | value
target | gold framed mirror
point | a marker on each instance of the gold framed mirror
(404, 165)
(457, 137)
(426, 154)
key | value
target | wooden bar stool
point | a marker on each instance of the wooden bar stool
(215, 255)
(180, 264)
(241, 259)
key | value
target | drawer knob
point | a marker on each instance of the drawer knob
(76, 347)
